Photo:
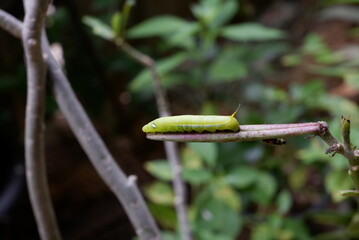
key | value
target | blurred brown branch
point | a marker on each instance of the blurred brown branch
(123, 187)
(35, 13)
(171, 148)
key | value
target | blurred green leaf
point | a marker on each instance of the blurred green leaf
(336, 181)
(298, 178)
(157, 26)
(208, 108)
(116, 24)
(279, 228)
(184, 36)
(262, 231)
(306, 93)
(142, 82)
(213, 13)
(241, 177)
(227, 195)
(191, 160)
(208, 235)
(353, 227)
(264, 189)
(224, 70)
(160, 193)
(230, 64)
(126, 10)
(298, 228)
(314, 152)
(164, 214)
(159, 169)
(352, 79)
(208, 151)
(314, 45)
(273, 94)
(99, 28)
(225, 13)
(339, 106)
(205, 11)
(285, 113)
(217, 217)
(284, 202)
(166, 235)
(291, 60)
(251, 32)
(330, 218)
(196, 176)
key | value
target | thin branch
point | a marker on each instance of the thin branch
(256, 127)
(10, 24)
(35, 13)
(170, 147)
(123, 187)
(344, 149)
(336, 146)
(148, 62)
(247, 133)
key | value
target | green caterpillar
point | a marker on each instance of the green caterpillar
(193, 123)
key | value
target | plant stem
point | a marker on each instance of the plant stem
(254, 132)
(10, 24)
(35, 13)
(257, 127)
(345, 149)
(148, 62)
(123, 187)
(171, 148)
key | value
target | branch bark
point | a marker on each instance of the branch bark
(35, 13)
(247, 133)
(346, 150)
(171, 148)
(123, 187)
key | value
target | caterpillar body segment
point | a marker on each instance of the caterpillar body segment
(192, 123)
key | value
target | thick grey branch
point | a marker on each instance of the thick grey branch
(125, 190)
(35, 12)
(10, 24)
(124, 187)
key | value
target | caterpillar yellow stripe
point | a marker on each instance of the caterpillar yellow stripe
(192, 123)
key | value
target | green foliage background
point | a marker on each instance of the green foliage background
(209, 62)
(246, 189)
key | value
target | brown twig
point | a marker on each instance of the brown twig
(247, 133)
(170, 147)
(35, 13)
(344, 149)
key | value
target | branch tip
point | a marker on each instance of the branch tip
(323, 128)
(131, 180)
(349, 193)
(335, 148)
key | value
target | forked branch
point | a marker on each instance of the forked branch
(123, 187)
